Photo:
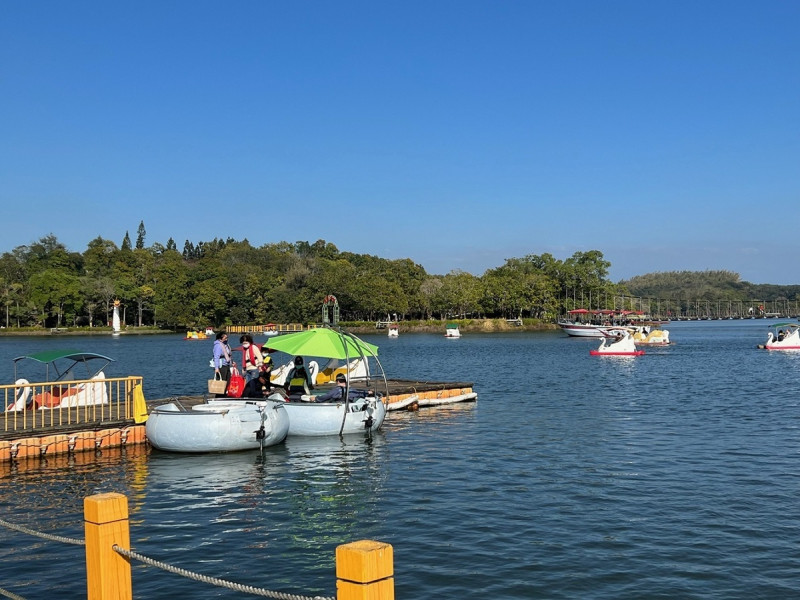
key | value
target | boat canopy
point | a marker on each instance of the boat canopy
(784, 325)
(55, 359)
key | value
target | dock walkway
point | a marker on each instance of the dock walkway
(399, 389)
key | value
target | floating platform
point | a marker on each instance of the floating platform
(28, 434)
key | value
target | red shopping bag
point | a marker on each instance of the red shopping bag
(235, 384)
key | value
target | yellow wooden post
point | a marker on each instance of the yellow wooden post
(365, 571)
(108, 574)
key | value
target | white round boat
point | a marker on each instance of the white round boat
(218, 425)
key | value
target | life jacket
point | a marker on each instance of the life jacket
(299, 381)
(248, 356)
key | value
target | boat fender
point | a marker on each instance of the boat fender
(368, 422)
(261, 433)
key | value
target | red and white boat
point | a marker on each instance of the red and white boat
(623, 344)
(786, 338)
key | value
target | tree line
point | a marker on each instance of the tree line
(223, 282)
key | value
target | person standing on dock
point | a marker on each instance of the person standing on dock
(251, 358)
(222, 357)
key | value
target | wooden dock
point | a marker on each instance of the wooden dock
(38, 433)
(426, 393)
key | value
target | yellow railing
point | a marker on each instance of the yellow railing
(68, 403)
(281, 328)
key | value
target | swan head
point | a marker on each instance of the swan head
(313, 369)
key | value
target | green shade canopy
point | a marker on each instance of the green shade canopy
(52, 355)
(784, 325)
(322, 342)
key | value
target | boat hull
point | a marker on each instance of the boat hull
(601, 353)
(326, 418)
(584, 330)
(217, 426)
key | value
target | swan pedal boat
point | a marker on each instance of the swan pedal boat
(624, 344)
(651, 337)
(218, 425)
(789, 341)
(62, 387)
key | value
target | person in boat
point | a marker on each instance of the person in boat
(781, 335)
(337, 393)
(257, 387)
(222, 358)
(251, 358)
(298, 381)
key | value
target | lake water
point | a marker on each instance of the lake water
(671, 475)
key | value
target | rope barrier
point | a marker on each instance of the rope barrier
(248, 589)
(39, 534)
(11, 595)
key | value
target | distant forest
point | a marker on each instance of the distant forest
(224, 282)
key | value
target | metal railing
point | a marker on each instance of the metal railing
(50, 405)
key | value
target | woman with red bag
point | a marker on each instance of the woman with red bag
(252, 360)
(222, 358)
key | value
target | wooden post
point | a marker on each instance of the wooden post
(108, 574)
(365, 571)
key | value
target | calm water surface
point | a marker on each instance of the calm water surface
(672, 475)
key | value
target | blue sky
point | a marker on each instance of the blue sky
(455, 133)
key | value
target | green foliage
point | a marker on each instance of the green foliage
(222, 282)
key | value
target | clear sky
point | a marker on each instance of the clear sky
(457, 133)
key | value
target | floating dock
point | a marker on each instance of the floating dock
(30, 434)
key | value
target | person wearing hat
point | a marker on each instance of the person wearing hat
(298, 381)
(335, 394)
(258, 387)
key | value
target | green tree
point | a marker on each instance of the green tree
(141, 233)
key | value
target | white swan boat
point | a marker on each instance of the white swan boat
(218, 425)
(785, 337)
(623, 344)
(393, 330)
(62, 386)
(358, 368)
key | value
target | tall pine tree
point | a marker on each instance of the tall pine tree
(140, 235)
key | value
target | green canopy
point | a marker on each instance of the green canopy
(322, 342)
(784, 325)
(52, 355)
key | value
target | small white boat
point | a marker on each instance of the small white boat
(623, 344)
(393, 330)
(363, 415)
(785, 337)
(578, 329)
(451, 330)
(218, 425)
(352, 414)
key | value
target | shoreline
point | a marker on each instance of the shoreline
(466, 326)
